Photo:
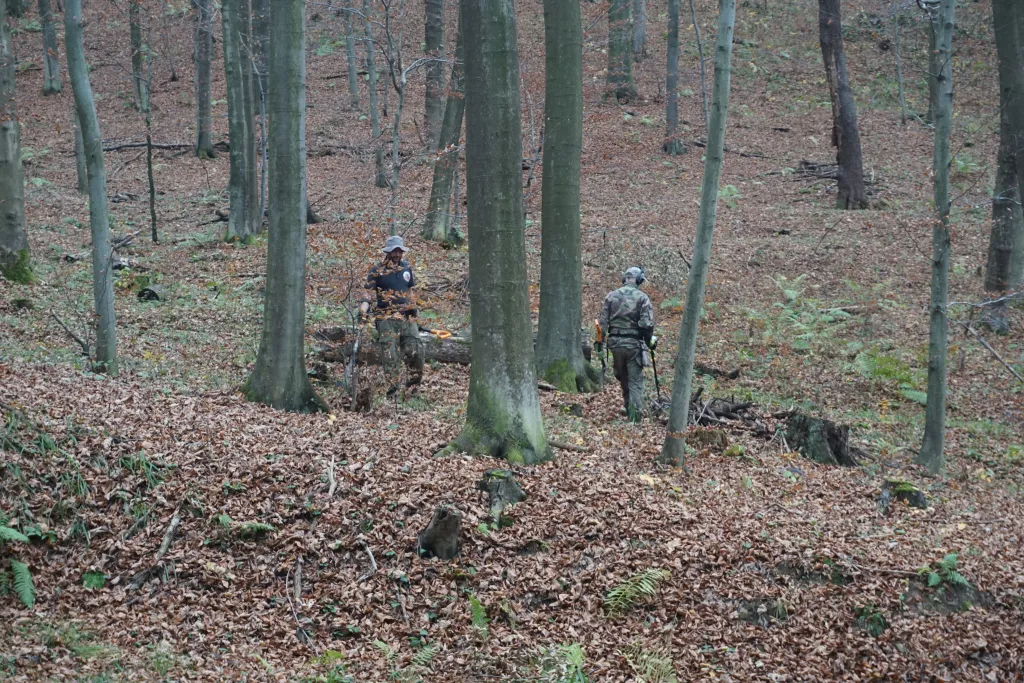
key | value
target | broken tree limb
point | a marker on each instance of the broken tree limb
(967, 326)
(165, 545)
(71, 333)
(568, 446)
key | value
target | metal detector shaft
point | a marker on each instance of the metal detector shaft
(654, 365)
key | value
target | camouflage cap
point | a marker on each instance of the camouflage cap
(635, 273)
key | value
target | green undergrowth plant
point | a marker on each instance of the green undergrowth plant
(16, 578)
(871, 619)
(565, 663)
(418, 664)
(944, 573)
(478, 616)
(649, 665)
(889, 369)
(641, 585)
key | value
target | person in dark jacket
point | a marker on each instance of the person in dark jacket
(395, 314)
(627, 322)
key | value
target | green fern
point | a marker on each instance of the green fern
(12, 535)
(389, 652)
(478, 614)
(253, 529)
(638, 586)
(23, 587)
(565, 664)
(650, 666)
(945, 572)
(425, 656)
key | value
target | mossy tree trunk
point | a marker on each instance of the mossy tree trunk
(51, 60)
(279, 377)
(845, 133)
(619, 83)
(202, 56)
(438, 225)
(434, 43)
(14, 254)
(931, 454)
(243, 188)
(99, 217)
(559, 358)
(503, 416)
(673, 145)
(350, 51)
(674, 447)
(380, 177)
(140, 56)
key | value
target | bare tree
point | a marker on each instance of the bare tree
(350, 51)
(202, 56)
(673, 145)
(244, 219)
(51, 61)
(434, 44)
(619, 81)
(140, 56)
(639, 29)
(15, 262)
(381, 178)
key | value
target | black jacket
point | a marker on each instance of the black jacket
(392, 284)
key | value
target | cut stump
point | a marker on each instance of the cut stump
(502, 490)
(903, 492)
(820, 440)
(441, 537)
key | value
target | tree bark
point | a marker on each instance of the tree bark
(15, 264)
(279, 377)
(639, 29)
(503, 411)
(140, 55)
(99, 217)
(244, 219)
(933, 68)
(380, 177)
(845, 135)
(619, 83)
(437, 225)
(672, 451)
(203, 54)
(1017, 125)
(434, 43)
(559, 359)
(261, 41)
(673, 145)
(80, 164)
(931, 454)
(51, 62)
(350, 50)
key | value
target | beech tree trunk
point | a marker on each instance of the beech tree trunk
(203, 54)
(933, 68)
(639, 29)
(244, 219)
(559, 359)
(380, 177)
(261, 40)
(80, 164)
(434, 43)
(15, 264)
(279, 377)
(503, 411)
(931, 454)
(350, 50)
(673, 145)
(51, 62)
(99, 217)
(845, 135)
(673, 450)
(438, 224)
(140, 56)
(619, 83)
(1017, 121)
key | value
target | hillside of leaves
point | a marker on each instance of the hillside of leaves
(177, 532)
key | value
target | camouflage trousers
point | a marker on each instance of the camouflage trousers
(400, 340)
(628, 364)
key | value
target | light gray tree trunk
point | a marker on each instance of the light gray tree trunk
(700, 58)
(639, 29)
(381, 178)
(51, 61)
(931, 454)
(503, 416)
(933, 67)
(15, 263)
(244, 219)
(673, 145)
(350, 50)
(559, 354)
(672, 451)
(899, 68)
(80, 164)
(140, 56)
(203, 54)
(434, 43)
(845, 133)
(99, 217)
(619, 83)
(437, 226)
(261, 36)
(279, 377)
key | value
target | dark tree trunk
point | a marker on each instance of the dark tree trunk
(140, 56)
(51, 61)
(243, 185)
(639, 29)
(933, 69)
(350, 51)
(203, 54)
(673, 145)
(15, 264)
(80, 164)
(845, 135)
(437, 225)
(434, 43)
(380, 177)
(620, 52)
(261, 39)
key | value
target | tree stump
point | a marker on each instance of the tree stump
(502, 490)
(901, 491)
(441, 537)
(153, 293)
(820, 440)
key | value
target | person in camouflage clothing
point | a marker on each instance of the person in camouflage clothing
(627, 323)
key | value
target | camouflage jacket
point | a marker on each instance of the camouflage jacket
(624, 313)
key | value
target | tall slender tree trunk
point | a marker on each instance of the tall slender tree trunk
(620, 53)
(503, 412)
(639, 29)
(672, 145)
(899, 68)
(80, 163)
(931, 455)
(437, 225)
(140, 56)
(244, 219)
(559, 355)
(434, 43)
(350, 50)
(279, 377)
(261, 38)
(380, 177)
(1017, 125)
(99, 217)
(15, 263)
(845, 135)
(700, 58)
(203, 54)
(672, 451)
(1006, 245)
(51, 61)
(933, 67)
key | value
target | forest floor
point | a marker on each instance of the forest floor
(777, 568)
